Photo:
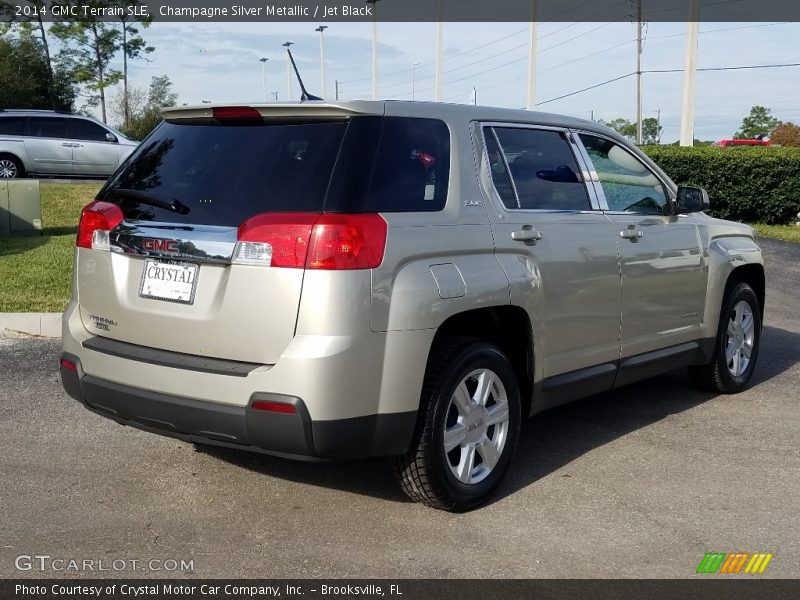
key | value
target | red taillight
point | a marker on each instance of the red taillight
(236, 113)
(286, 233)
(340, 241)
(68, 364)
(314, 241)
(276, 407)
(97, 216)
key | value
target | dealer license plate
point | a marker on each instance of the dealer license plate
(171, 281)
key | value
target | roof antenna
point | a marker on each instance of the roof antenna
(305, 95)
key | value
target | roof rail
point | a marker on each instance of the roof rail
(34, 110)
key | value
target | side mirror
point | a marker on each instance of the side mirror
(110, 137)
(692, 199)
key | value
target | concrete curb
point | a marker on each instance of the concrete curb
(39, 324)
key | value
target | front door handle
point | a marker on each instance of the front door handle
(526, 234)
(632, 233)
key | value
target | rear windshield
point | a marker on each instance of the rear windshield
(215, 174)
(221, 175)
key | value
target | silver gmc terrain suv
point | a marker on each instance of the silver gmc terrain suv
(319, 280)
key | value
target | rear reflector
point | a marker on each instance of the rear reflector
(236, 113)
(327, 242)
(276, 407)
(97, 221)
(68, 364)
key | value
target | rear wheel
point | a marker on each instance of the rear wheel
(10, 167)
(737, 344)
(468, 428)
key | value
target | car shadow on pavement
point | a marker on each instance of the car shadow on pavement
(550, 441)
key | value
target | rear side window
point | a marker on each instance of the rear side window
(543, 168)
(47, 127)
(11, 125)
(411, 168)
(222, 175)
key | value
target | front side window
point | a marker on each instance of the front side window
(628, 185)
(88, 131)
(544, 170)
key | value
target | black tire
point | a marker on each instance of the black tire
(425, 472)
(11, 167)
(718, 376)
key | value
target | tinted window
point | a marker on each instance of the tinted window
(544, 169)
(500, 177)
(50, 127)
(86, 130)
(226, 174)
(411, 168)
(11, 125)
(628, 185)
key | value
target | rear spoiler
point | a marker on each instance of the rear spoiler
(282, 111)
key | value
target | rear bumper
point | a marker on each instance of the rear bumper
(291, 434)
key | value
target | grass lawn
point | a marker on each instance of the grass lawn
(35, 272)
(790, 233)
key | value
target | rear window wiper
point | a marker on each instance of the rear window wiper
(173, 205)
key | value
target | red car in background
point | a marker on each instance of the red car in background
(724, 143)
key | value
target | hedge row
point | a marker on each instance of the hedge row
(752, 184)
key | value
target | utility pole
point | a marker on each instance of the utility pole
(639, 72)
(439, 41)
(532, 59)
(690, 74)
(321, 30)
(288, 68)
(658, 127)
(264, 76)
(413, 78)
(337, 88)
(374, 48)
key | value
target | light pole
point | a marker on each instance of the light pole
(437, 85)
(288, 68)
(321, 30)
(690, 74)
(374, 48)
(532, 59)
(413, 78)
(264, 76)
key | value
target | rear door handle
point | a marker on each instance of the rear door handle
(632, 233)
(526, 234)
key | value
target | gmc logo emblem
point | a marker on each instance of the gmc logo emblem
(153, 245)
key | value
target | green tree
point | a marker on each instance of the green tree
(758, 123)
(133, 47)
(651, 131)
(143, 120)
(89, 46)
(34, 23)
(25, 78)
(623, 127)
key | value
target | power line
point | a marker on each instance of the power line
(735, 68)
(505, 37)
(586, 89)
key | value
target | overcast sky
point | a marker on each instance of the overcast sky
(219, 62)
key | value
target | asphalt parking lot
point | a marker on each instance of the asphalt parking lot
(640, 482)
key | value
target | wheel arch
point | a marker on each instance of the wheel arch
(753, 275)
(509, 328)
(17, 158)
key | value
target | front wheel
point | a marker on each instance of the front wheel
(736, 346)
(468, 428)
